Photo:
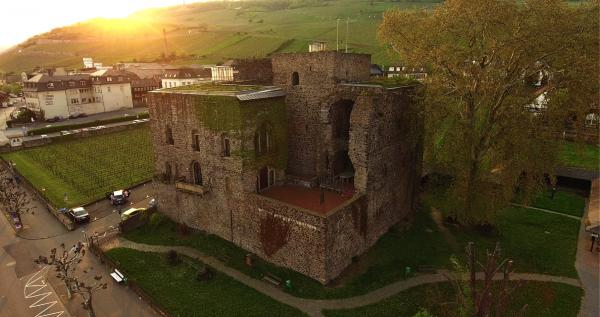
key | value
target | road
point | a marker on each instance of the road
(27, 289)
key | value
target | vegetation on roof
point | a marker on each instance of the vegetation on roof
(216, 87)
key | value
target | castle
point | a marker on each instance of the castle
(306, 172)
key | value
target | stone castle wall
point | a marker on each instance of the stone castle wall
(384, 147)
(253, 71)
(318, 74)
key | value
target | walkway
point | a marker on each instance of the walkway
(547, 211)
(314, 307)
(588, 263)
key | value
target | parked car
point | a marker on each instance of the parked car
(65, 132)
(131, 212)
(44, 136)
(54, 119)
(79, 215)
(118, 197)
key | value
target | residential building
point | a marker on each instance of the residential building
(418, 73)
(140, 89)
(69, 95)
(185, 76)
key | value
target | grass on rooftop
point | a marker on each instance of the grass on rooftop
(217, 87)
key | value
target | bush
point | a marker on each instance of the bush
(156, 219)
(173, 257)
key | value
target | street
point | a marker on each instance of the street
(29, 289)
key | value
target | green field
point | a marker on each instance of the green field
(580, 155)
(86, 168)
(213, 32)
(563, 202)
(176, 289)
(542, 299)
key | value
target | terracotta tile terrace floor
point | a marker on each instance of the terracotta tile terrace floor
(308, 198)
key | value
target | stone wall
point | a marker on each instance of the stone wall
(253, 71)
(383, 143)
(318, 76)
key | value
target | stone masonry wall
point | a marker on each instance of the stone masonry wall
(221, 175)
(318, 75)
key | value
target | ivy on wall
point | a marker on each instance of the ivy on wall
(241, 119)
(274, 234)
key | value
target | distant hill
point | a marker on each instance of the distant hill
(210, 32)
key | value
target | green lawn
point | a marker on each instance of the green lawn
(542, 299)
(563, 202)
(176, 289)
(536, 241)
(580, 155)
(87, 168)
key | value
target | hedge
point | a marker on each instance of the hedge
(59, 128)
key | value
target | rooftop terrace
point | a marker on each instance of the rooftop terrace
(309, 198)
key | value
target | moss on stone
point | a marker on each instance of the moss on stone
(226, 114)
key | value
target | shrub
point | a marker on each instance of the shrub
(173, 257)
(156, 219)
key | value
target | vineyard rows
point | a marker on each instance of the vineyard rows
(89, 167)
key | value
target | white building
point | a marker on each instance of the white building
(64, 96)
(185, 77)
(221, 73)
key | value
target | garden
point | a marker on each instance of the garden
(177, 289)
(77, 171)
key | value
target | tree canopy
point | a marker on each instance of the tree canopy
(488, 60)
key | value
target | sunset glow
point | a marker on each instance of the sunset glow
(32, 17)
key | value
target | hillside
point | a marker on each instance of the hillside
(210, 33)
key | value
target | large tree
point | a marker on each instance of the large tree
(485, 59)
(13, 198)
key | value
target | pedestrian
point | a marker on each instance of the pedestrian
(73, 249)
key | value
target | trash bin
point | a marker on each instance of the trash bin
(407, 271)
(249, 260)
(288, 284)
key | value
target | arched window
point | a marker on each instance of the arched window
(197, 173)
(169, 136)
(168, 172)
(295, 79)
(263, 140)
(195, 140)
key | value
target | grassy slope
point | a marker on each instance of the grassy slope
(231, 33)
(176, 289)
(87, 168)
(563, 202)
(543, 299)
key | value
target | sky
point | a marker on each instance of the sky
(22, 19)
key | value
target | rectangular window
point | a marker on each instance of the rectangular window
(108, 78)
(74, 100)
(226, 148)
(108, 88)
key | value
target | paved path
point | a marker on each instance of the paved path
(548, 211)
(588, 267)
(314, 307)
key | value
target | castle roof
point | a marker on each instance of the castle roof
(241, 92)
